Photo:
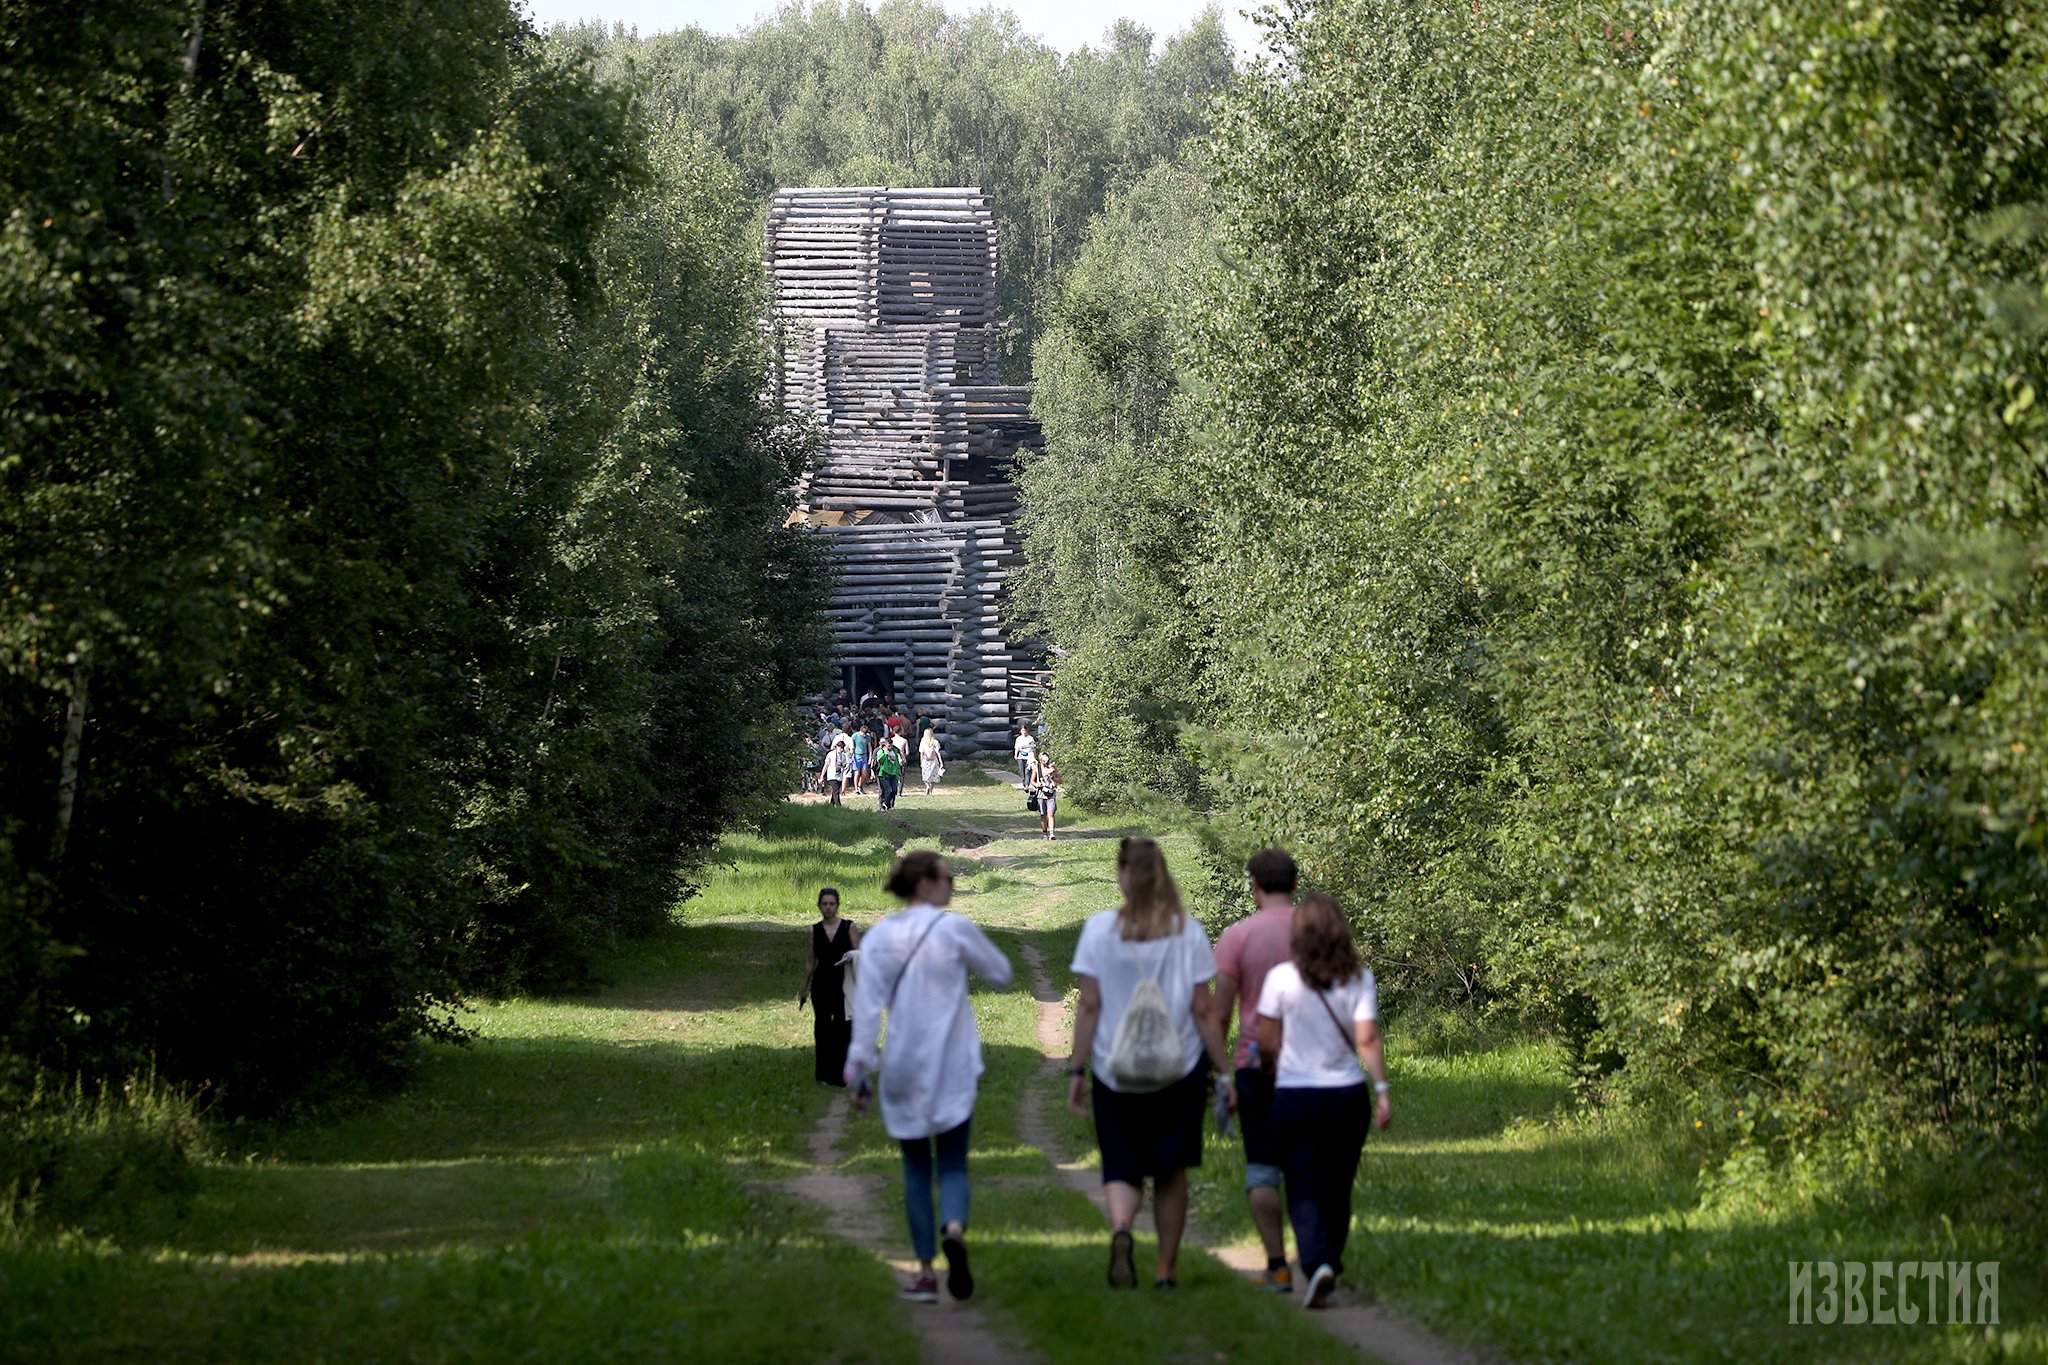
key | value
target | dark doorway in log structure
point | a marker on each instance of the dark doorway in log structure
(861, 679)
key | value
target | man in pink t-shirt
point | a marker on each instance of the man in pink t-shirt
(1247, 951)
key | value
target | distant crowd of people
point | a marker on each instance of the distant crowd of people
(858, 749)
(1151, 1048)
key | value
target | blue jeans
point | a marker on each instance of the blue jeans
(917, 1186)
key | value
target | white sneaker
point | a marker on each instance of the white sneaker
(1319, 1286)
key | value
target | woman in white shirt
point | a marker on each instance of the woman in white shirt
(914, 965)
(934, 762)
(1145, 1132)
(1319, 1015)
(837, 760)
(1023, 747)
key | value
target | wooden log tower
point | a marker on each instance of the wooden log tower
(885, 313)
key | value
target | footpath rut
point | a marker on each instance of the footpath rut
(855, 1213)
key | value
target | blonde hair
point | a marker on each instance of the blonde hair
(1151, 908)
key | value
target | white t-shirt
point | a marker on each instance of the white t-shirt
(1025, 746)
(1180, 961)
(1314, 1053)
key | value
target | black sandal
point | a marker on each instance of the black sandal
(1123, 1270)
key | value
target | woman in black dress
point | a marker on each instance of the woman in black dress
(831, 939)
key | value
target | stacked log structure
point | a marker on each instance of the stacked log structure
(885, 313)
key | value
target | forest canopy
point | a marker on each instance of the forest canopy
(1583, 485)
(907, 94)
(396, 600)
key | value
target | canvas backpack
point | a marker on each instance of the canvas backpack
(1146, 1053)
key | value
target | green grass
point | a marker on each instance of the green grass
(592, 1180)
(583, 1183)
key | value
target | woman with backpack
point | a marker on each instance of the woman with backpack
(1145, 1020)
(1044, 786)
(1318, 1015)
(914, 967)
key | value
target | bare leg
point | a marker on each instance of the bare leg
(1123, 1201)
(1170, 1216)
(1267, 1216)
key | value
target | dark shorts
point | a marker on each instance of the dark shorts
(1255, 1118)
(1146, 1136)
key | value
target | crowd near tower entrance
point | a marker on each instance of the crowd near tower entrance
(885, 313)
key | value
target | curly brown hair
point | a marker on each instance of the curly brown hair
(1320, 943)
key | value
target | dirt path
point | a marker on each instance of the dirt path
(1372, 1330)
(854, 1212)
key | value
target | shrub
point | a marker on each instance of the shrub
(102, 1160)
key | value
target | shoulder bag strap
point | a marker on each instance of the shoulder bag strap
(1350, 1039)
(911, 954)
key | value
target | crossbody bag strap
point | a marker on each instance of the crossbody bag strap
(900, 971)
(1350, 1040)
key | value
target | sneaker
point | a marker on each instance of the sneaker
(923, 1289)
(1319, 1286)
(1280, 1281)
(959, 1279)
(1166, 1282)
(1123, 1270)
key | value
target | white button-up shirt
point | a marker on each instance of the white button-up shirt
(933, 1066)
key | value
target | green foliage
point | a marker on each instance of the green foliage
(906, 94)
(1106, 507)
(394, 588)
(1622, 433)
(98, 1160)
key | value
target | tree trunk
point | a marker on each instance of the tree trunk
(67, 769)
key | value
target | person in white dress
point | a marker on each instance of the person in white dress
(932, 758)
(1318, 1014)
(913, 967)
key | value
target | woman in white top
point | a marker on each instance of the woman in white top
(1319, 1015)
(914, 965)
(1145, 1130)
(837, 761)
(933, 760)
(1023, 747)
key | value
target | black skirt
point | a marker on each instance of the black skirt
(1144, 1137)
(832, 1035)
